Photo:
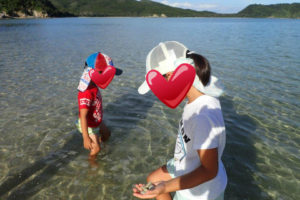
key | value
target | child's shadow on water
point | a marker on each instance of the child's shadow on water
(127, 110)
(239, 155)
(33, 178)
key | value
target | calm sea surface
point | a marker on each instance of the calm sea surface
(41, 60)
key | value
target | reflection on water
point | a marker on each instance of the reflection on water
(41, 152)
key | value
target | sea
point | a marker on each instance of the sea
(41, 61)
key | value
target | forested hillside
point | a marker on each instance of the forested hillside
(124, 8)
(276, 10)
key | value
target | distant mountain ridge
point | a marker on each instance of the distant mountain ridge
(131, 8)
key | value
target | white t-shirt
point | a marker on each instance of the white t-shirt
(202, 127)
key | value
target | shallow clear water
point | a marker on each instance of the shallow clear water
(41, 152)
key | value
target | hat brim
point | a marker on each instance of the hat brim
(118, 72)
(144, 88)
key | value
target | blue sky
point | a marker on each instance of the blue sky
(220, 6)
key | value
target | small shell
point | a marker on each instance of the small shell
(148, 185)
(145, 188)
(151, 187)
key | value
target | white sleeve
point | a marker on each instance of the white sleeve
(204, 136)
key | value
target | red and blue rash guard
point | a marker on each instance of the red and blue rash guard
(91, 99)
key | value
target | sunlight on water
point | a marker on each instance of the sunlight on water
(41, 152)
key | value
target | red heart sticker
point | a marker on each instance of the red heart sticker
(102, 80)
(172, 92)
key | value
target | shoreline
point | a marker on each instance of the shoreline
(33, 17)
(41, 15)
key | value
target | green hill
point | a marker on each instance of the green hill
(124, 8)
(275, 10)
(150, 8)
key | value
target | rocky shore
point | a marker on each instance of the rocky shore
(22, 15)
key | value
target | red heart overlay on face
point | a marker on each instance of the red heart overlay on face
(172, 92)
(103, 80)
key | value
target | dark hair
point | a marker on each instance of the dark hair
(202, 65)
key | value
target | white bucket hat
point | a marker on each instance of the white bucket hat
(162, 58)
(166, 57)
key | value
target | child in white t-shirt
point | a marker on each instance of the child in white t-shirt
(196, 171)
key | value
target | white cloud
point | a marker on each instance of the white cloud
(204, 6)
(187, 5)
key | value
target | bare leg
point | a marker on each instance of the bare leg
(95, 145)
(161, 174)
(104, 132)
(95, 150)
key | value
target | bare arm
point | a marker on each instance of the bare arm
(84, 129)
(207, 171)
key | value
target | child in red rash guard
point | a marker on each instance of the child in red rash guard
(90, 122)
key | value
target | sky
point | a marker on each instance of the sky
(220, 6)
